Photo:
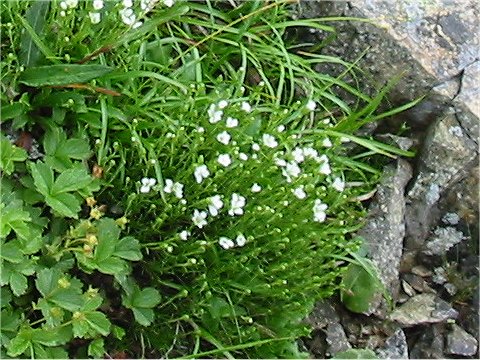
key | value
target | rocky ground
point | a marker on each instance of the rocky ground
(422, 231)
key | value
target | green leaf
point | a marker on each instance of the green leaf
(47, 281)
(69, 299)
(107, 234)
(35, 16)
(18, 283)
(42, 177)
(53, 315)
(13, 110)
(62, 74)
(112, 266)
(356, 354)
(96, 349)
(42, 352)
(118, 332)
(18, 345)
(5, 298)
(143, 316)
(9, 154)
(71, 180)
(76, 149)
(80, 326)
(11, 251)
(51, 337)
(65, 204)
(359, 286)
(99, 322)
(146, 298)
(128, 248)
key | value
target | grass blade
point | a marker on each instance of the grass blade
(35, 16)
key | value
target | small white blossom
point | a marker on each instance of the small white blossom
(63, 5)
(243, 156)
(231, 122)
(200, 173)
(168, 3)
(241, 240)
(344, 139)
(224, 159)
(199, 217)
(127, 3)
(255, 147)
(278, 161)
(137, 24)
(256, 188)
(226, 243)
(214, 115)
(298, 155)
(222, 104)
(299, 192)
(281, 128)
(246, 107)
(310, 152)
(326, 143)
(224, 137)
(236, 205)
(184, 234)
(71, 3)
(63, 13)
(269, 141)
(311, 105)
(201, 129)
(178, 190)
(325, 166)
(168, 186)
(291, 170)
(148, 181)
(319, 211)
(338, 184)
(94, 17)
(98, 4)
(215, 204)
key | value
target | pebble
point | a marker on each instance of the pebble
(459, 342)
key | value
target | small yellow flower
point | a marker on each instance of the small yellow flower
(90, 201)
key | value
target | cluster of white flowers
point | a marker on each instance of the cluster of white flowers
(215, 204)
(215, 111)
(128, 15)
(147, 184)
(199, 218)
(338, 184)
(201, 172)
(67, 5)
(173, 187)
(227, 243)
(236, 205)
(184, 234)
(319, 208)
(224, 160)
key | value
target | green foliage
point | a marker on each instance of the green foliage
(193, 196)
(356, 354)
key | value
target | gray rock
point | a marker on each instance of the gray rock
(459, 342)
(423, 308)
(429, 344)
(385, 229)
(336, 339)
(450, 218)
(322, 315)
(395, 347)
(442, 240)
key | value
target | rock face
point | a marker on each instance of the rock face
(459, 342)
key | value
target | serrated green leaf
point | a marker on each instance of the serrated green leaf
(9, 154)
(128, 248)
(96, 349)
(18, 283)
(62, 74)
(65, 204)
(11, 251)
(13, 110)
(14, 218)
(68, 299)
(18, 345)
(11, 320)
(52, 139)
(53, 314)
(108, 233)
(5, 298)
(71, 180)
(51, 337)
(42, 352)
(143, 316)
(118, 332)
(47, 281)
(76, 149)
(99, 322)
(42, 177)
(35, 16)
(80, 326)
(146, 298)
(112, 266)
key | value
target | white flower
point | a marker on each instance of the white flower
(319, 211)
(279, 162)
(338, 184)
(199, 217)
(310, 152)
(224, 137)
(236, 205)
(145, 189)
(241, 240)
(63, 13)
(127, 3)
(169, 3)
(147, 184)
(311, 105)
(246, 107)
(71, 3)
(178, 190)
(168, 186)
(222, 104)
(255, 147)
(137, 24)
(325, 166)
(226, 243)
(98, 4)
(344, 139)
(326, 142)
(63, 5)
(299, 192)
(256, 188)
(216, 204)
(200, 173)
(231, 122)
(214, 115)
(94, 17)
(224, 159)
(281, 128)
(298, 155)
(243, 156)
(269, 141)
(201, 129)
(291, 170)
(184, 234)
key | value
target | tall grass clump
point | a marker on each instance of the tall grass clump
(177, 179)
